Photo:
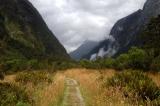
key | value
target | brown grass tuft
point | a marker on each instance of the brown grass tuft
(52, 94)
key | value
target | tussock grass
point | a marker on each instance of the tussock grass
(96, 93)
(52, 95)
(91, 83)
(42, 87)
(36, 77)
(136, 86)
(92, 86)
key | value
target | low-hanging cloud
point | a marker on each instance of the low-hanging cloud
(74, 21)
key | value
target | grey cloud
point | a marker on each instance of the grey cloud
(74, 21)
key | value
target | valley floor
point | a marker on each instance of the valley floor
(79, 87)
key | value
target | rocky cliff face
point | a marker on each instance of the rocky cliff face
(151, 9)
(83, 50)
(24, 34)
(127, 30)
(105, 47)
(133, 24)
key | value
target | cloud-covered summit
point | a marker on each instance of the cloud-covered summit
(74, 21)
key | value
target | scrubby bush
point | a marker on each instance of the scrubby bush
(33, 64)
(109, 63)
(63, 65)
(138, 58)
(33, 77)
(11, 95)
(135, 83)
(14, 65)
(85, 63)
(91, 64)
(122, 62)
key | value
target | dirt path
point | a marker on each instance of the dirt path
(72, 94)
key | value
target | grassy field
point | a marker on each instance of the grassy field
(91, 82)
(94, 93)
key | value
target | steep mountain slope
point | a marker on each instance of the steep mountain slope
(127, 30)
(133, 25)
(84, 49)
(24, 34)
(101, 49)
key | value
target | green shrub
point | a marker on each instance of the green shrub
(138, 58)
(10, 95)
(137, 83)
(85, 63)
(33, 64)
(33, 77)
(150, 37)
(122, 62)
(109, 63)
(14, 65)
(64, 65)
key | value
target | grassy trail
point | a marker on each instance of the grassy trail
(72, 94)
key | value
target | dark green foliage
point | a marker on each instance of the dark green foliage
(98, 64)
(109, 63)
(34, 64)
(20, 65)
(91, 64)
(24, 36)
(86, 63)
(122, 62)
(64, 65)
(138, 58)
(135, 83)
(14, 65)
(151, 37)
(33, 77)
(151, 42)
(11, 95)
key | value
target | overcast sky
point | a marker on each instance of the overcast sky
(74, 21)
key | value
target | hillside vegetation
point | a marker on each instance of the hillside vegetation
(25, 39)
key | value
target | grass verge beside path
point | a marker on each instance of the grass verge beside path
(52, 95)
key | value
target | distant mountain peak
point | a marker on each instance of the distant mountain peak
(84, 49)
